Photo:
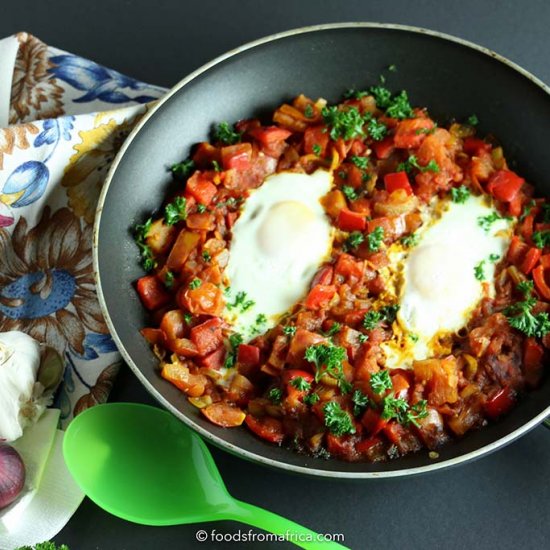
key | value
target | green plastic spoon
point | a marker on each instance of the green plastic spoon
(142, 464)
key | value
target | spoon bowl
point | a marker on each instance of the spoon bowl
(142, 464)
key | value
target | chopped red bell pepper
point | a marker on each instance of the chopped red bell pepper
(270, 134)
(155, 336)
(319, 296)
(384, 148)
(268, 428)
(530, 260)
(237, 156)
(291, 374)
(362, 447)
(504, 185)
(207, 336)
(532, 354)
(397, 180)
(517, 250)
(500, 402)
(316, 140)
(475, 146)
(323, 276)
(152, 292)
(540, 274)
(215, 359)
(248, 355)
(201, 189)
(351, 221)
(347, 266)
(373, 422)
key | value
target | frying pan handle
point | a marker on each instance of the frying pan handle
(546, 423)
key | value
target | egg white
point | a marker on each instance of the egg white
(435, 281)
(278, 242)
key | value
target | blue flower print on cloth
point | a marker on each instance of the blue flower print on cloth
(67, 119)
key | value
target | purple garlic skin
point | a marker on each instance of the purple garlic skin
(12, 475)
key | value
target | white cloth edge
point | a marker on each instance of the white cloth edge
(8, 53)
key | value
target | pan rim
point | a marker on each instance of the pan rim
(210, 437)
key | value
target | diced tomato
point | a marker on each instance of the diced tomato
(500, 402)
(504, 185)
(323, 276)
(291, 374)
(182, 346)
(397, 180)
(224, 415)
(185, 243)
(540, 279)
(355, 176)
(203, 221)
(173, 324)
(349, 268)
(384, 148)
(364, 446)
(202, 189)
(351, 221)
(400, 384)
(268, 428)
(515, 206)
(205, 155)
(319, 296)
(236, 156)
(207, 299)
(152, 292)
(179, 375)
(530, 260)
(532, 353)
(316, 139)
(215, 359)
(475, 146)
(270, 134)
(373, 422)
(248, 355)
(411, 132)
(155, 336)
(357, 148)
(207, 336)
(342, 446)
(517, 250)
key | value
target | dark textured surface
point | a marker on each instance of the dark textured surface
(498, 502)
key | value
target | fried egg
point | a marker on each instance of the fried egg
(280, 239)
(439, 282)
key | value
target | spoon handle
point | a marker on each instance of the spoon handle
(273, 523)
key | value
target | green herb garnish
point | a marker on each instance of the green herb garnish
(175, 211)
(182, 169)
(328, 359)
(375, 239)
(460, 194)
(521, 317)
(338, 421)
(479, 271)
(380, 382)
(226, 133)
(147, 259)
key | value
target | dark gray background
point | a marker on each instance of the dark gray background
(498, 502)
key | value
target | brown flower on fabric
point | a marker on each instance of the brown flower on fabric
(100, 391)
(15, 137)
(46, 281)
(35, 94)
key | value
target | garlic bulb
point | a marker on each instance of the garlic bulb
(21, 401)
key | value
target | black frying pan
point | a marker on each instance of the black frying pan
(453, 78)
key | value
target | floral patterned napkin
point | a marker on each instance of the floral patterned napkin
(62, 121)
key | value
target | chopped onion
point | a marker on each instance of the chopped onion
(12, 475)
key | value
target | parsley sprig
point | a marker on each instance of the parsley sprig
(521, 317)
(226, 134)
(541, 239)
(338, 421)
(241, 302)
(175, 211)
(182, 169)
(460, 194)
(412, 162)
(147, 259)
(375, 239)
(328, 359)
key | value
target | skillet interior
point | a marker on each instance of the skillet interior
(449, 77)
